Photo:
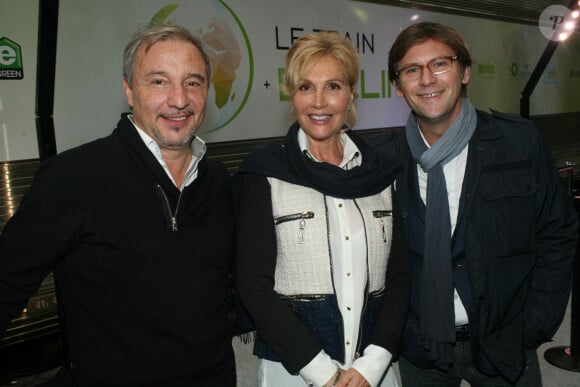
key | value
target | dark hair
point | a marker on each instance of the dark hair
(421, 32)
(150, 35)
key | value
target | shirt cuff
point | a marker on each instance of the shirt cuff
(320, 369)
(373, 363)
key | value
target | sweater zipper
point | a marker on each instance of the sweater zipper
(172, 215)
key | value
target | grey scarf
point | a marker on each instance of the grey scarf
(437, 316)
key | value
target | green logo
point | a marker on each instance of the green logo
(10, 60)
(228, 46)
(486, 71)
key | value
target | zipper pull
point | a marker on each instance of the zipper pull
(384, 233)
(301, 234)
(303, 216)
(173, 224)
(381, 214)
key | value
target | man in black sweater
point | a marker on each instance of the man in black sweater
(138, 229)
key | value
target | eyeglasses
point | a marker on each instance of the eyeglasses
(437, 66)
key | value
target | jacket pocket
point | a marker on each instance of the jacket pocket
(299, 217)
(509, 204)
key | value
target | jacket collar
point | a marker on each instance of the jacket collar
(139, 152)
(485, 131)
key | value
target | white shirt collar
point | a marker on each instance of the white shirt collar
(351, 155)
(198, 149)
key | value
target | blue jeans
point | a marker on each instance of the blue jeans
(463, 369)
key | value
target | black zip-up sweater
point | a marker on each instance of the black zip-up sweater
(141, 304)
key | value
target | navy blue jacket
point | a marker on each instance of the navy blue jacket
(516, 234)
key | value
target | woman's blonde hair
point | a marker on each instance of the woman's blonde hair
(310, 49)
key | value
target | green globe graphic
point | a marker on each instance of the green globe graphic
(228, 47)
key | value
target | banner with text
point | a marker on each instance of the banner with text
(248, 40)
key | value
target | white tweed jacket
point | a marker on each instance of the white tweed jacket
(303, 265)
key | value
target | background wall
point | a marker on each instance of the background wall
(248, 40)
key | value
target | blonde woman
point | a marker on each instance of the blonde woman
(321, 270)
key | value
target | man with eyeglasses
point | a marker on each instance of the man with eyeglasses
(490, 230)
